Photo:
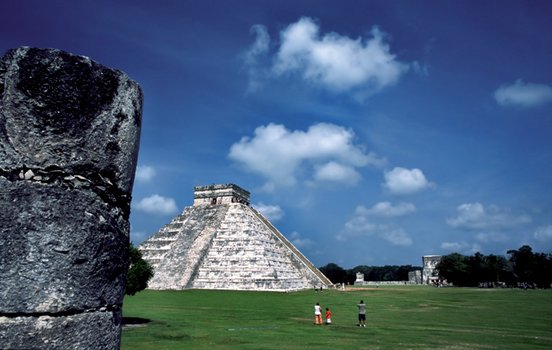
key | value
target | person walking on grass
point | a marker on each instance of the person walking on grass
(361, 314)
(317, 314)
(328, 316)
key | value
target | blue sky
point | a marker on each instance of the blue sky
(369, 132)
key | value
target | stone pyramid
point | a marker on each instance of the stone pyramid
(222, 243)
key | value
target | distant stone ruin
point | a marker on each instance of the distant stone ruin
(359, 278)
(430, 274)
(415, 276)
(361, 282)
(69, 134)
(222, 243)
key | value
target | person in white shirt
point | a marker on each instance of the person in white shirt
(317, 314)
(361, 314)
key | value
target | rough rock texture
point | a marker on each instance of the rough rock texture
(69, 135)
(226, 246)
(93, 330)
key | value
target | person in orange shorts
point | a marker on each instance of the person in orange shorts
(317, 314)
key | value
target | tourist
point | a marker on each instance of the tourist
(361, 314)
(328, 316)
(317, 314)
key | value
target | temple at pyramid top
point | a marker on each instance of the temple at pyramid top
(220, 194)
(221, 242)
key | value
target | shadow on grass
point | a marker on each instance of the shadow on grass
(135, 322)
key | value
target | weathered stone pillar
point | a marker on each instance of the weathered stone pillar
(69, 135)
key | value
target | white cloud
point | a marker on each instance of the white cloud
(491, 237)
(334, 61)
(271, 212)
(543, 233)
(138, 237)
(475, 216)
(299, 241)
(144, 173)
(461, 247)
(261, 44)
(419, 68)
(403, 181)
(523, 94)
(396, 236)
(333, 171)
(254, 56)
(360, 225)
(387, 209)
(325, 152)
(157, 204)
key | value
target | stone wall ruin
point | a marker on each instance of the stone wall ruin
(69, 135)
(430, 274)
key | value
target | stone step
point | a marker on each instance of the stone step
(226, 246)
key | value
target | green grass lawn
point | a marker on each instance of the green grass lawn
(406, 317)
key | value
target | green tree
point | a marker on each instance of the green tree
(522, 262)
(455, 268)
(335, 273)
(543, 270)
(403, 270)
(531, 267)
(476, 269)
(494, 269)
(139, 272)
(381, 273)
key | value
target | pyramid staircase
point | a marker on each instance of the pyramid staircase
(176, 251)
(227, 245)
(291, 247)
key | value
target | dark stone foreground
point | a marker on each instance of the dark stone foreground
(69, 136)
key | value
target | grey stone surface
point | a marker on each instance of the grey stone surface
(60, 248)
(69, 135)
(93, 330)
(67, 112)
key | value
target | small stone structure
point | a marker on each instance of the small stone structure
(361, 282)
(69, 134)
(220, 194)
(359, 279)
(430, 274)
(415, 277)
(222, 243)
(387, 283)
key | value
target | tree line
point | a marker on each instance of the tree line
(339, 275)
(522, 268)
